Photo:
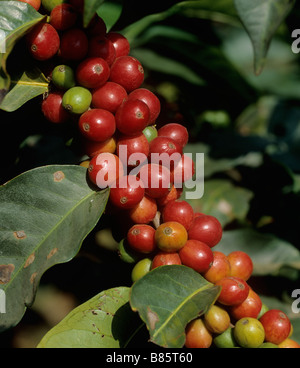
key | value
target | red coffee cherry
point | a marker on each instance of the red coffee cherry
(73, 44)
(126, 192)
(233, 290)
(92, 72)
(102, 47)
(133, 150)
(43, 41)
(165, 258)
(127, 71)
(144, 212)
(121, 44)
(156, 180)
(277, 326)
(104, 169)
(176, 131)
(141, 238)
(52, 108)
(196, 255)
(207, 229)
(250, 307)
(165, 151)
(183, 171)
(109, 96)
(180, 211)
(97, 125)
(150, 99)
(96, 27)
(132, 117)
(241, 264)
(63, 17)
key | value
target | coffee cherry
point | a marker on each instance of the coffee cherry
(92, 72)
(288, 343)
(183, 171)
(156, 180)
(217, 319)
(63, 77)
(150, 100)
(92, 148)
(197, 335)
(207, 229)
(121, 44)
(226, 339)
(175, 131)
(234, 290)
(102, 47)
(250, 307)
(127, 71)
(150, 132)
(170, 236)
(133, 150)
(109, 96)
(105, 169)
(277, 326)
(249, 332)
(126, 192)
(73, 44)
(165, 151)
(196, 255)
(241, 264)
(219, 269)
(165, 258)
(172, 195)
(63, 17)
(43, 41)
(77, 100)
(141, 238)
(144, 212)
(52, 108)
(141, 268)
(97, 125)
(97, 26)
(180, 211)
(132, 117)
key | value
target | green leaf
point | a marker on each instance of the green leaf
(90, 9)
(104, 321)
(16, 18)
(30, 84)
(174, 296)
(110, 12)
(223, 200)
(261, 19)
(270, 255)
(45, 215)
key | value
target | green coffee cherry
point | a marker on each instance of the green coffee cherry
(140, 269)
(77, 100)
(63, 77)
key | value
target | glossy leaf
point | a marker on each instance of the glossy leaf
(45, 215)
(30, 84)
(261, 19)
(16, 18)
(90, 9)
(104, 321)
(169, 297)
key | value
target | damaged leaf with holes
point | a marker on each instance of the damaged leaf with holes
(167, 298)
(104, 321)
(45, 215)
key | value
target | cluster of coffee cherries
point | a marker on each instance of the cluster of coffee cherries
(97, 84)
(238, 318)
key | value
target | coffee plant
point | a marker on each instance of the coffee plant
(151, 174)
